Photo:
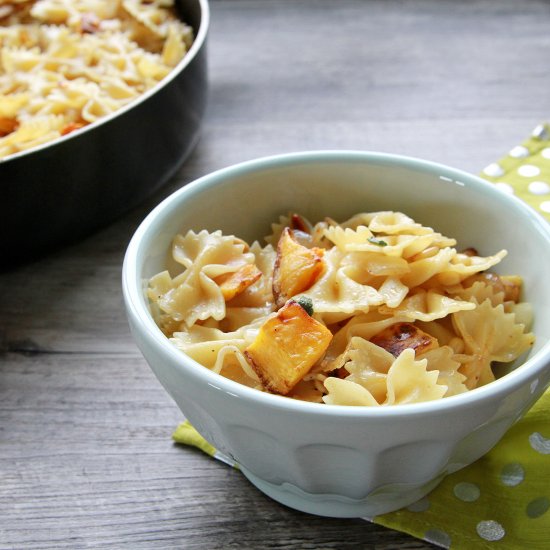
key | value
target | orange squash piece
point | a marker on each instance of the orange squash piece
(510, 285)
(286, 347)
(296, 267)
(7, 125)
(401, 336)
(236, 282)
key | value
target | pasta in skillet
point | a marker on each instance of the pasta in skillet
(375, 311)
(67, 63)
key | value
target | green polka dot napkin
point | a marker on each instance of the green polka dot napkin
(503, 499)
(525, 171)
(500, 501)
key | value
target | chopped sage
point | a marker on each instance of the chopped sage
(307, 303)
(377, 242)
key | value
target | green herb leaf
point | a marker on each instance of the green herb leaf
(307, 303)
(377, 242)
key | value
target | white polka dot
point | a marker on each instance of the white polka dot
(467, 492)
(538, 507)
(422, 505)
(494, 170)
(545, 153)
(528, 171)
(438, 537)
(519, 152)
(539, 188)
(540, 443)
(505, 187)
(490, 530)
(512, 474)
(540, 132)
(545, 206)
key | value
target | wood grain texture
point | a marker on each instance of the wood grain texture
(86, 459)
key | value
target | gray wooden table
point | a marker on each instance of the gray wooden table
(86, 458)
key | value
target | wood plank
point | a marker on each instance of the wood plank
(86, 460)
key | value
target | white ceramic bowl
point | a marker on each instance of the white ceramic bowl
(337, 460)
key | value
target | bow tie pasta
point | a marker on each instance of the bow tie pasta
(66, 63)
(375, 311)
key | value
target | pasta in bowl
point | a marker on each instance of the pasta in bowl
(359, 287)
(377, 310)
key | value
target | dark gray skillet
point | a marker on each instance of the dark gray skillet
(64, 190)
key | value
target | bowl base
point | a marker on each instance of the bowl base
(381, 501)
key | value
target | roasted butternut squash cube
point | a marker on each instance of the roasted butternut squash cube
(401, 336)
(510, 285)
(296, 267)
(7, 125)
(236, 282)
(286, 348)
(299, 223)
